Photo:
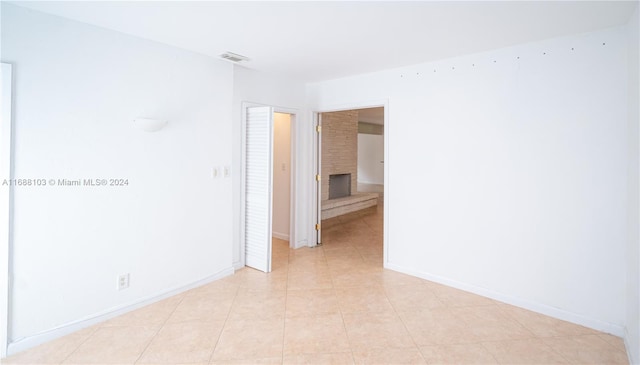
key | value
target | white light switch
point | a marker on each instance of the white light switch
(215, 172)
(227, 171)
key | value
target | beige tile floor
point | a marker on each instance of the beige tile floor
(333, 304)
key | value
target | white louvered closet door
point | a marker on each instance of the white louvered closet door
(258, 183)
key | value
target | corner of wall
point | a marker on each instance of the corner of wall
(632, 330)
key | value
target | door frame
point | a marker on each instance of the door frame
(294, 113)
(6, 194)
(315, 117)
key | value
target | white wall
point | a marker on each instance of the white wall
(633, 249)
(370, 153)
(508, 172)
(281, 175)
(77, 89)
(255, 87)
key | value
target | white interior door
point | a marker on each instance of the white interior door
(5, 195)
(258, 171)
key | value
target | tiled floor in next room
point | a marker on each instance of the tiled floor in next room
(332, 304)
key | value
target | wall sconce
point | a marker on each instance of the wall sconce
(149, 125)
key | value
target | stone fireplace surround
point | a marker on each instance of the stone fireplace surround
(339, 148)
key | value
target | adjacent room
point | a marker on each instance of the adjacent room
(238, 182)
(351, 163)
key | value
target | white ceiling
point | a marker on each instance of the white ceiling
(313, 41)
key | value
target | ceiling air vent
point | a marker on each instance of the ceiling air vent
(233, 57)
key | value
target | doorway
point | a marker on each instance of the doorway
(351, 157)
(281, 196)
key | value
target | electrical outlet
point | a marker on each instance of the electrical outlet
(123, 281)
(227, 171)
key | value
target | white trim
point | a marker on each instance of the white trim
(370, 182)
(385, 197)
(387, 207)
(243, 178)
(32, 341)
(318, 196)
(557, 313)
(315, 160)
(6, 104)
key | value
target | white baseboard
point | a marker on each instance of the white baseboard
(379, 183)
(52, 334)
(280, 236)
(557, 313)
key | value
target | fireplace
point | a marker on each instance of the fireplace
(339, 186)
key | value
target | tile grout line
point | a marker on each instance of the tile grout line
(81, 343)
(574, 336)
(344, 325)
(333, 288)
(159, 328)
(491, 353)
(224, 324)
(516, 319)
(286, 299)
(404, 325)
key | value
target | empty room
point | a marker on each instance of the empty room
(325, 182)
